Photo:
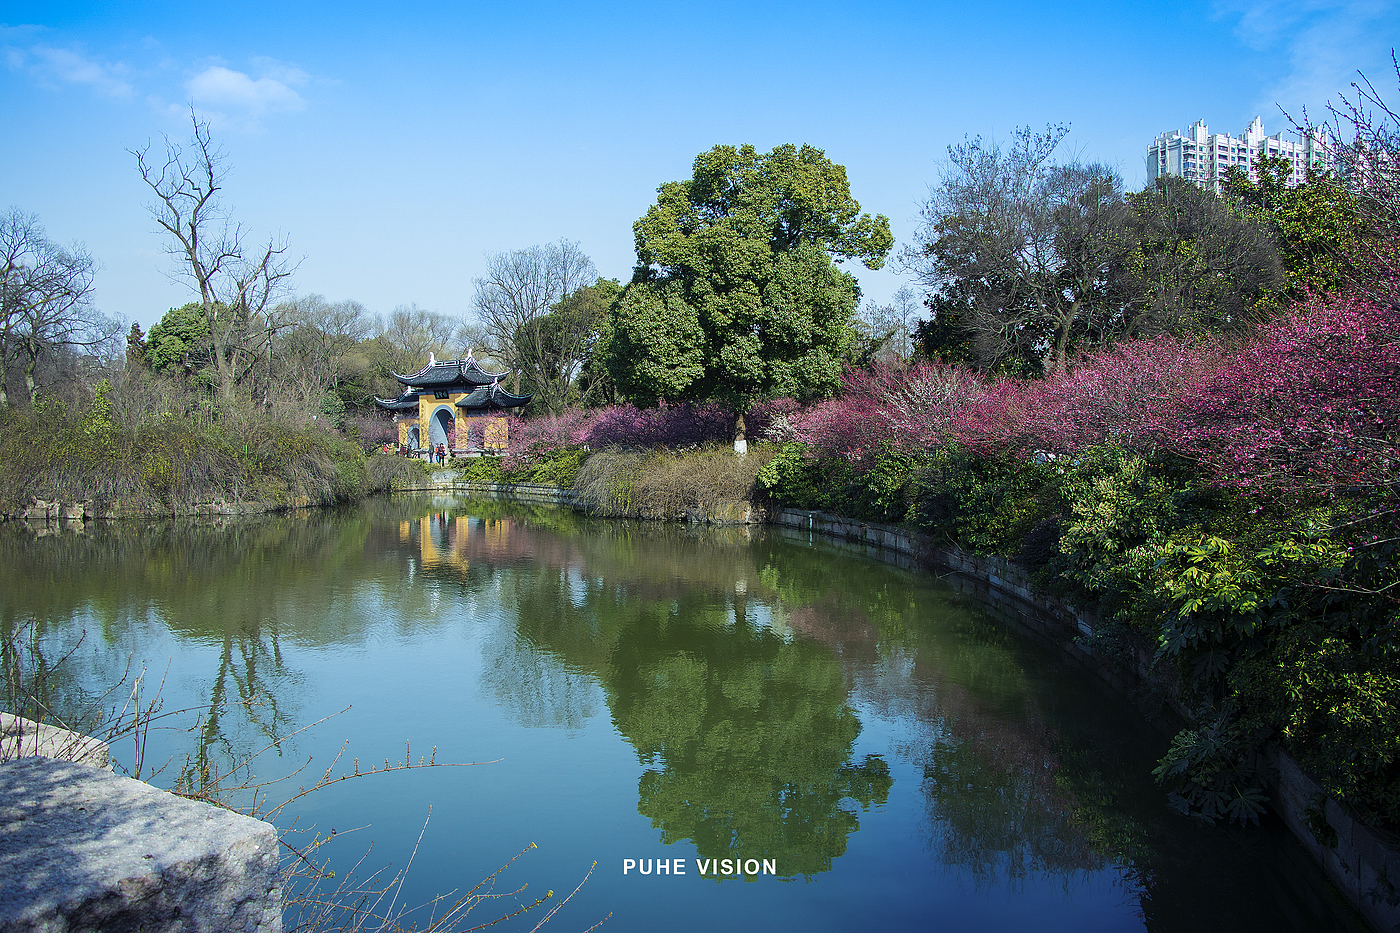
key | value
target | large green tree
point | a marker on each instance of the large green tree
(736, 296)
(179, 341)
(1198, 263)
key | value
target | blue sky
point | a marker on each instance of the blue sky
(394, 148)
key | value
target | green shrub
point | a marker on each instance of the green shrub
(794, 477)
(885, 492)
(557, 468)
(985, 504)
(479, 470)
(1340, 704)
(1118, 511)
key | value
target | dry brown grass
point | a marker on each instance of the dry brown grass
(390, 471)
(665, 484)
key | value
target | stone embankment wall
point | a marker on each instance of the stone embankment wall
(548, 495)
(40, 512)
(1361, 861)
(83, 849)
(725, 512)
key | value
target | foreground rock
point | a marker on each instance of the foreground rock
(20, 738)
(84, 849)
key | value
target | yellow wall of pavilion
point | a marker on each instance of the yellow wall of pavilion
(494, 434)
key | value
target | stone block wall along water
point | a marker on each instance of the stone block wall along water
(1360, 860)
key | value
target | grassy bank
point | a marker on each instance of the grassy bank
(175, 463)
(635, 482)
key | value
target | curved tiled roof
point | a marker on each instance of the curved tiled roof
(406, 402)
(493, 396)
(441, 375)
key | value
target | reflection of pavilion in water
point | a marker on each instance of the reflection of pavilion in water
(445, 540)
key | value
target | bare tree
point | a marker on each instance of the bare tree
(45, 300)
(1361, 133)
(891, 326)
(237, 284)
(478, 342)
(513, 301)
(316, 345)
(1021, 249)
(409, 333)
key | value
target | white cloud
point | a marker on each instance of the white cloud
(225, 88)
(288, 74)
(223, 95)
(1321, 46)
(56, 66)
(228, 97)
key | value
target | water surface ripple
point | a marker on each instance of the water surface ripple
(888, 756)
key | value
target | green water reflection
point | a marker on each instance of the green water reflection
(778, 699)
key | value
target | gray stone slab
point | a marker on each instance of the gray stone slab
(20, 738)
(84, 849)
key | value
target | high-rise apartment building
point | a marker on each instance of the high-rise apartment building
(1202, 156)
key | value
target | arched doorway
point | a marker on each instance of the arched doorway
(414, 439)
(439, 426)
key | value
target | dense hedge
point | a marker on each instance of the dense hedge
(555, 468)
(1235, 511)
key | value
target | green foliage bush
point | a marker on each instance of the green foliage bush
(1341, 715)
(479, 470)
(1118, 510)
(797, 477)
(558, 468)
(985, 504)
(172, 462)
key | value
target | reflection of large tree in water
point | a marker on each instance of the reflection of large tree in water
(1001, 797)
(729, 666)
(247, 680)
(1005, 793)
(746, 734)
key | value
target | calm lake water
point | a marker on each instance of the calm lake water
(649, 692)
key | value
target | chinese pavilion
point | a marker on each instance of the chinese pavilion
(454, 403)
